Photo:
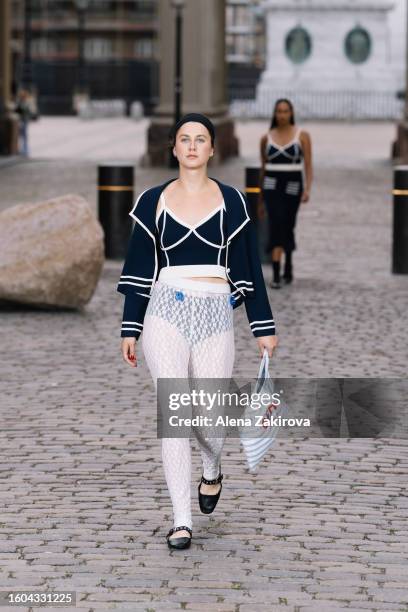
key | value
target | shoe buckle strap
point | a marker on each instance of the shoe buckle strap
(182, 527)
(214, 481)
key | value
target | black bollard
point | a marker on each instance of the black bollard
(400, 221)
(115, 201)
(252, 189)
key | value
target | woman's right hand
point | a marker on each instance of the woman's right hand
(128, 351)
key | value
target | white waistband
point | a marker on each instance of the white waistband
(284, 167)
(169, 272)
(195, 285)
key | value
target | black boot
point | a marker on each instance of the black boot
(288, 273)
(276, 282)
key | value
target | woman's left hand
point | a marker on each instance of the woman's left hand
(305, 196)
(267, 342)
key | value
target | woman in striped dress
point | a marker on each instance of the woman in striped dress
(285, 156)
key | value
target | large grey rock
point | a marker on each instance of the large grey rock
(51, 253)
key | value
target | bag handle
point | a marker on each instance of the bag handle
(263, 369)
(266, 358)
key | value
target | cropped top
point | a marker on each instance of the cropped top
(288, 156)
(191, 250)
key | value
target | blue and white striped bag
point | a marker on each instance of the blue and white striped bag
(256, 439)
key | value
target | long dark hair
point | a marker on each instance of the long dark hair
(274, 123)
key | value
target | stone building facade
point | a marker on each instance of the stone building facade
(333, 59)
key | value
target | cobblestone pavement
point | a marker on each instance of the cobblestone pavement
(322, 526)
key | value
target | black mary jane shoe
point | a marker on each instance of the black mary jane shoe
(287, 280)
(179, 543)
(208, 502)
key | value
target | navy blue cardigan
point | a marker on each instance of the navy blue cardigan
(243, 266)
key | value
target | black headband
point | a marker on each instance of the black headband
(197, 117)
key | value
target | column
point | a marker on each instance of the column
(400, 146)
(203, 76)
(8, 121)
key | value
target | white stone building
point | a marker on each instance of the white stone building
(332, 58)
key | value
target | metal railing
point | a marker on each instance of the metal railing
(347, 104)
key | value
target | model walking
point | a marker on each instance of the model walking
(192, 259)
(285, 152)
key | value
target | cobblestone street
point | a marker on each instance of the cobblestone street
(322, 526)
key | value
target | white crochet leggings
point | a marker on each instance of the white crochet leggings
(188, 333)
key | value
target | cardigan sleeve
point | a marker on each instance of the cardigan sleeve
(258, 309)
(134, 310)
(137, 278)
